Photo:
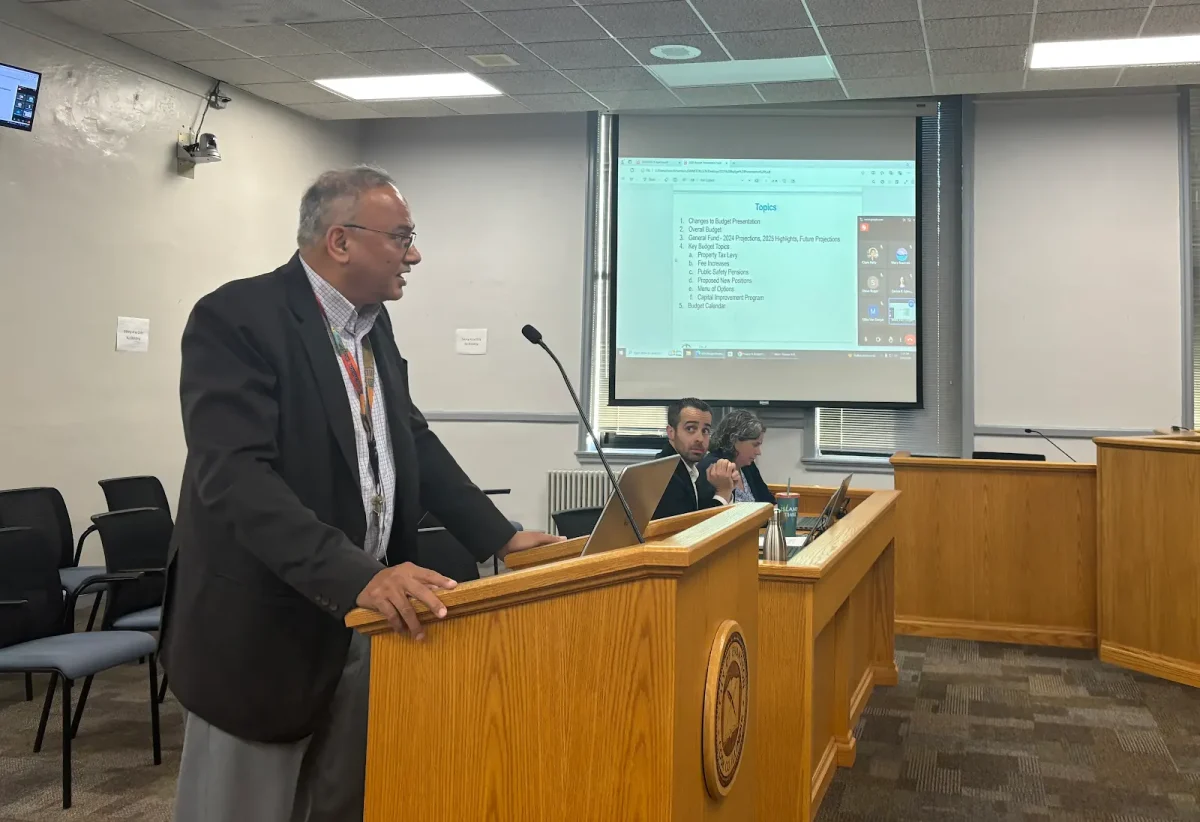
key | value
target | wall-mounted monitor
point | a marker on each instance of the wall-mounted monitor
(18, 96)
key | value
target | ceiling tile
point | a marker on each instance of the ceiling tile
(874, 87)
(460, 55)
(181, 45)
(802, 92)
(449, 30)
(484, 105)
(289, 93)
(110, 16)
(254, 12)
(854, 12)
(1173, 20)
(648, 19)
(710, 49)
(357, 35)
(973, 32)
(1084, 25)
(975, 61)
(268, 41)
(558, 102)
(532, 82)
(336, 111)
(1049, 6)
(404, 61)
(764, 45)
(1082, 78)
(245, 70)
(321, 66)
(613, 79)
(1160, 75)
(584, 54)
(873, 38)
(410, 108)
(978, 83)
(719, 96)
(626, 100)
(411, 8)
(765, 15)
(935, 9)
(511, 5)
(893, 64)
(547, 25)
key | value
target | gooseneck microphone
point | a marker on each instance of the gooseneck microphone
(534, 336)
(1035, 432)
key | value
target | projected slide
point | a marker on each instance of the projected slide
(733, 275)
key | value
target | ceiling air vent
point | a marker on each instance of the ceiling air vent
(492, 60)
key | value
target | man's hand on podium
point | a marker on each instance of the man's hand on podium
(389, 590)
(524, 540)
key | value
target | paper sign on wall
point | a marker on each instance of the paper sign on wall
(470, 340)
(133, 334)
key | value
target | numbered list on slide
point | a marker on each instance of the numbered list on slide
(756, 271)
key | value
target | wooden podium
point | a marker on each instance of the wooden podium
(1149, 557)
(595, 688)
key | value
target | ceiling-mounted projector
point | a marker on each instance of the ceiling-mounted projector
(204, 150)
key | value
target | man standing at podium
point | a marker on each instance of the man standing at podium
(307, 470)
(689, 426)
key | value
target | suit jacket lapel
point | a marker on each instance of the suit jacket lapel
(326, 371)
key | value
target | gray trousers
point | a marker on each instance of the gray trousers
(319, 779)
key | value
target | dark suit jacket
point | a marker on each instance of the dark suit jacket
(266, 559)
(681, 496)
(750, 474)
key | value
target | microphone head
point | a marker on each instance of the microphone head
(1029, 431)
(532, 334)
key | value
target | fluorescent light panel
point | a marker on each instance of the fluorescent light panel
(1131, 51)
(410, 87)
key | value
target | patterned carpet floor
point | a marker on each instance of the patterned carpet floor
(973, 732)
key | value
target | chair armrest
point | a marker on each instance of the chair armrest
(17, 602)
(116, 576)
(494, 491)
(79, 545)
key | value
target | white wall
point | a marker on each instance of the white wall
(1077, 273)
(96, 223)
(501, 208)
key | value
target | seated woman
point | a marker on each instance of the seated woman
(738, 437)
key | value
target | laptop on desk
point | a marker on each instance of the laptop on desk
(643, 485)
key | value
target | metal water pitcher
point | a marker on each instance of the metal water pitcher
(774, 545)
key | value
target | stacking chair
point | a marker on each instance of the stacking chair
(44, 510)
(135, 544)
(35, 636)
(122, 493)
(576, 522)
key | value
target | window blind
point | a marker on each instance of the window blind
(1194, 193)
(623, 421)
(936, 429)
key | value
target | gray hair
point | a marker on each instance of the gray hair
(333, 198)
(737, 426)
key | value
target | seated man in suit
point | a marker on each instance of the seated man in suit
(689, 423)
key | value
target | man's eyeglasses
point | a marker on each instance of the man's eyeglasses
(404, 239)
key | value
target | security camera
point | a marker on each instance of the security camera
(204, 150)
(219, 99)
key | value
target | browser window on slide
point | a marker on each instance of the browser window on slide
(735, 265)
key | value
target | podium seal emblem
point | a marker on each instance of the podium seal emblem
(726, 708)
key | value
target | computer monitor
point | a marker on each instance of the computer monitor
(18, 96)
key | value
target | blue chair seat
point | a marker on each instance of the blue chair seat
(73, 578)
(516, 525)
(77, 655)
(145, 620)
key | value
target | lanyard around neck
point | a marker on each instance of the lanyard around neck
(363, 383)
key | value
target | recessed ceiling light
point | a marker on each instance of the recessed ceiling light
(410, 87)
(1131, 51)
(492, 60)
(671, 52)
